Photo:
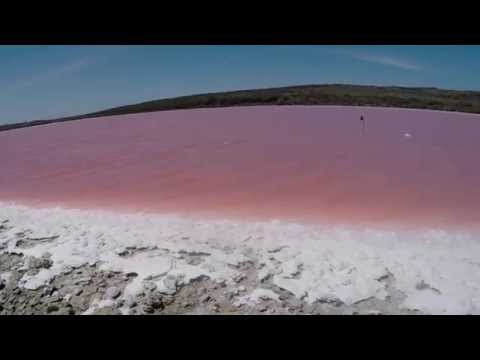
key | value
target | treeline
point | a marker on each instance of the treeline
(357, 95)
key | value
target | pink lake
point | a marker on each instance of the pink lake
(301, 163)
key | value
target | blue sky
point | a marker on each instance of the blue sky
(39, 82)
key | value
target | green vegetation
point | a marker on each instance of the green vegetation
(417, 98)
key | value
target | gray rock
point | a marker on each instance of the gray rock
(107, 310)
(148, 309)
(52, 308)
(79, 302)
(155, 301)
(89, 290)
(45, 263)
(66, 311)
(32, 302)
(112, 292)
(205, 298)
(52, 299)
(78, 291)
(82, 280)
(239, 278)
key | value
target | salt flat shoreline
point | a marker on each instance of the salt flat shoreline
(66, 261)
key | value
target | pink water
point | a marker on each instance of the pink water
(290, 162)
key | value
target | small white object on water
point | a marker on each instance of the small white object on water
(407, 135)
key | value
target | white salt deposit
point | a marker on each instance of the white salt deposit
(5, 276)
(256, 296)
(98, 304)
(312, 262)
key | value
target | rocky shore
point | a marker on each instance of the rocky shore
(60, 261)
(89, 290)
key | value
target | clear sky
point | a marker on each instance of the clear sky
(40, 82)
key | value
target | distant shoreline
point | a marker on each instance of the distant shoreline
(339, 95)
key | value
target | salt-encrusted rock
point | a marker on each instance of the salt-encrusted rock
(150, 286)
(263, 308)
(112, 292)
(215, 307)
(68, 270)
(130, 302)
(170, 285)
(170, 282)
(222, 283)
(239, 278)
(168, 300)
